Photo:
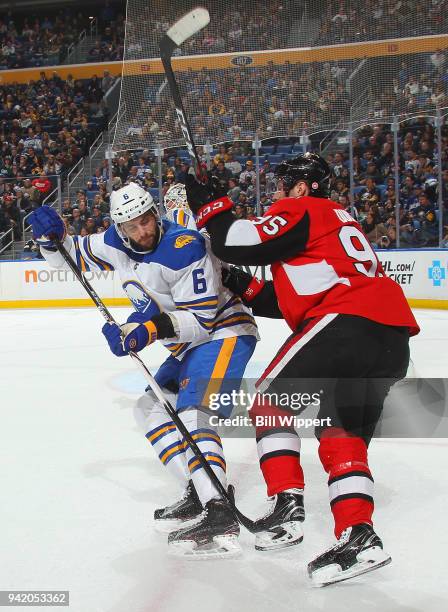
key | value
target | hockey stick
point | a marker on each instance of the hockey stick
(246, 522)
(182, 30)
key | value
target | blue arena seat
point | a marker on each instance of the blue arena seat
(284, 149)
(297, 148)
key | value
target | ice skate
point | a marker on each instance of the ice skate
(181, 513)
(282, 526)
(215, 535)
(358, 550)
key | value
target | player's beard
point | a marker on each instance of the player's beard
(149, 243)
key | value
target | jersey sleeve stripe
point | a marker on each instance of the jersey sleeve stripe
(101, 263)
(82, 265)
(177, 349)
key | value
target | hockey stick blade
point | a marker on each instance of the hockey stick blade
(188, 25)
(184, 28)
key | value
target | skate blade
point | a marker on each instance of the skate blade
(288, 534)
(224, 546)
(168, 525)
(368, 560)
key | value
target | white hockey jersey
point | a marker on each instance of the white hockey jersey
(181, 276)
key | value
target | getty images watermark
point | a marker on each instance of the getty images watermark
(288, 401)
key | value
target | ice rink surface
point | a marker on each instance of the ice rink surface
(79, 484)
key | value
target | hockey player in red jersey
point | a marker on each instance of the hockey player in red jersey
(350, 328)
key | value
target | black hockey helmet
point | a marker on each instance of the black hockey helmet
(310, 168)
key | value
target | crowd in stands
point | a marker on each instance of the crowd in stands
(233, 104)
(418, 84)
(347, 21)
(44, 39)
(375, 196)
(274, 24)
(273, 100)
(374, 202)
(248, 26)
(38, 41)
(46, 126)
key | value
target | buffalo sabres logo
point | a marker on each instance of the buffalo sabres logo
(140, 298)
(182, 241)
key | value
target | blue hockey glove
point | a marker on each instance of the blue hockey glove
(138, 335)
(137, 332)
(47, 225)
(129, 337)
(113, 335)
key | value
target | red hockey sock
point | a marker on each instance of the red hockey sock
(350, 483)
(278, 449)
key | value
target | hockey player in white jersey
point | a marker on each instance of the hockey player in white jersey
(176, 289)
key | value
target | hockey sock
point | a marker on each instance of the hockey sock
(163, 435)
(278, 448)
(209, 442)
(350, 483)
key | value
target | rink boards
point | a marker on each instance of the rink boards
(422, 274)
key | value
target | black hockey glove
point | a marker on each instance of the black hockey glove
(201, 193)
(255, 292)
(236, 279)
(242, 283)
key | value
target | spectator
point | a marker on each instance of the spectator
(107, 81)
(31, 192)
(248, 175)
(43, 186)
(12, 213)
(239, 211)
(77, 222)
(250, 212)
(375, 232)
(97, 216)
(232, 164)
(223, 174)
(234, 190)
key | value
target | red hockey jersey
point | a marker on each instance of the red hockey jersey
(338, 272)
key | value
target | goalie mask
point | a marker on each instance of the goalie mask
(309, 168)
(128, 203)
(176, 197)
